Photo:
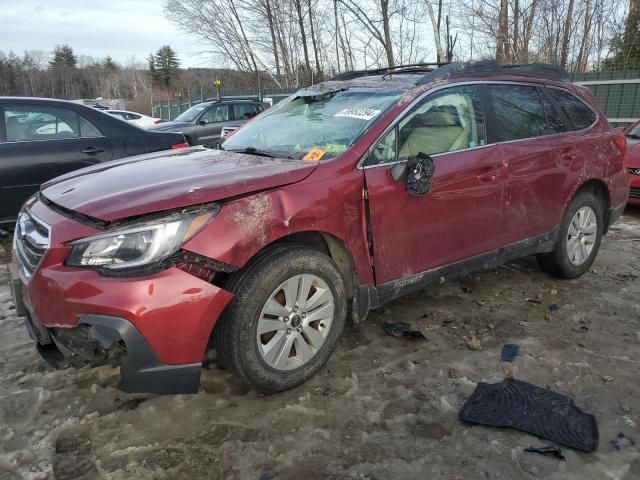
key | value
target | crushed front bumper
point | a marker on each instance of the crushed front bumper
(161, 322)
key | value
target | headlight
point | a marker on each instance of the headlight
(138, 245)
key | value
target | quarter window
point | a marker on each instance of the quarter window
(519, 112)
(574, 109)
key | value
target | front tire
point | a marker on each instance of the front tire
(286, 318)
(579, 241)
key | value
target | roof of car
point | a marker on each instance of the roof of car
(229, 100)
(37, 100)
(410, 76)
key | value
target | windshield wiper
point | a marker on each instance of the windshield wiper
(257, 151)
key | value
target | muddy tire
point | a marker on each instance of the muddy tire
(579, 239)
(286, 318)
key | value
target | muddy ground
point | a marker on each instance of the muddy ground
(383, 408)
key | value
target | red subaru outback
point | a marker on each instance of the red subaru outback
(345, 196)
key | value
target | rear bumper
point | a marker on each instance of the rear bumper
(163, 321)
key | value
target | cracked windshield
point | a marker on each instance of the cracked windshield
(313, 127)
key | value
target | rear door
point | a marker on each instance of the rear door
(518, 127)
(462, 215)
(41, 143)
(209, 126)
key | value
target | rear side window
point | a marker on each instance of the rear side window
(519, 112)
(245, 111)
(580, 115)
(555, 123)
(25, 124)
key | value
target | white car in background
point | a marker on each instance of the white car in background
(135, 118)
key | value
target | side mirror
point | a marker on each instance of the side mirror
(417, 173)
(202, 122)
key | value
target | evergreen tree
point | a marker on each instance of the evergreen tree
(109, 64)
(166, 65)
(63, 56)
(626, 46)
(153, 75)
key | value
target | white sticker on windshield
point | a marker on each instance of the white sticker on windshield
(361, 113)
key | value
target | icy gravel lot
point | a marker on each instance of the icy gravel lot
(383, 408)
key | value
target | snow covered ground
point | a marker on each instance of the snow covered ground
(383, 408)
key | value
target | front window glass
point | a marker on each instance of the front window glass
(634, 132)
(191, 114)
(217, 114)
(319, 124)
(446, 121)
(40, 123)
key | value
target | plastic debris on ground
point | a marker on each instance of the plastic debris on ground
(402, 329)
(510, 352)
(549, 450)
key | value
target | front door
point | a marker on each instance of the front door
(462, 214)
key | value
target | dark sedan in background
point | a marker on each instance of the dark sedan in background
(43, 138)
(202, 124)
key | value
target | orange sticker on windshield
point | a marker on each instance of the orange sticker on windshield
(314, 155)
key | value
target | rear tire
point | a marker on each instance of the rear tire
(286, 318)
(579, 238)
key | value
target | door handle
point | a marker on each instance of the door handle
(92, 150)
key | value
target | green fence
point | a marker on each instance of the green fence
(617, 92)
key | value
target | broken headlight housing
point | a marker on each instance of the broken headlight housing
(139, 244)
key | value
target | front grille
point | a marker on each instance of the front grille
(30, 242)
(634, 192)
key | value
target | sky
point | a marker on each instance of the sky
(120, 28)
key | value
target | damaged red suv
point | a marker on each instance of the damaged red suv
(337, 200)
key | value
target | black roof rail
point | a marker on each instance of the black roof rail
(490, 67)
(410, 67)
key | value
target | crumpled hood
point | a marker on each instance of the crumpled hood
(167, 180)
(169, 126)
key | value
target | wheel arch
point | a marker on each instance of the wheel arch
(328, 244)
(599, 189)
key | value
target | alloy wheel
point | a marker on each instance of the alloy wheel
(295, 321)
(582, 235)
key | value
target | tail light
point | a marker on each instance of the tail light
(620, 141)
(157, 121)
(179, 145)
